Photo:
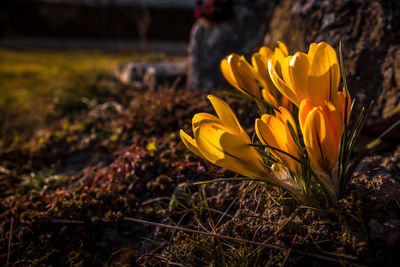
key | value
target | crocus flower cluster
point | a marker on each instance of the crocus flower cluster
(299, 138)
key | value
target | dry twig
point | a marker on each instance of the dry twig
(240, 240)
(10, 240)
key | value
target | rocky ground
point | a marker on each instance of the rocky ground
(68, 193)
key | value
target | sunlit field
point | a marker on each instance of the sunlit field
(40, 85)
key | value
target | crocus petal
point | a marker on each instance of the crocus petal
(260, 66)
(190, 143)
(342, 102)
(285, 116)
(281, 85)
(227, 71)
(311, 51)
(305, 107)
(285, 102)
(269, 98)
(227, 116)
(265, 51)
(285, 73)
(225, 149)
(274, 132)
(257, 60)
(298, 71)
(277, 57)
(332, 116)
(319, 141)
(238, 72)
(283, 48)
(202, 116)
(324, 76)
(245, 76)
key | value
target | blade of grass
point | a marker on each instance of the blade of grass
(343, 140)
(271, 246)
(260, 99)
(348, 171)
(367, 148)
(229, 180)
(212, 224)
(277, 149)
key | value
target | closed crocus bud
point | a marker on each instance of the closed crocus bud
(249, 78)
(314, 75)
(322, 127)
(239, 73)
(322, 130)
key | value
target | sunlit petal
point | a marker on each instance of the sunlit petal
(283, 48)
(285, 116)
(281, 85)
(260, 66)
(324, 76)
(269, 98)
(305, 107)
(285, 73)
(227, 116)
(311, 51)
(273, 131)
(298, 72)
(225, 149)
(320, 141)
(227, 71)
(190, 143)
(202, 116)
(265, 51)
(246, 77)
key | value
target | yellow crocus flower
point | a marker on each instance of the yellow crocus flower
(259, 62)
(314, 75)
(241, 75)
(274, 131)
(222, 141)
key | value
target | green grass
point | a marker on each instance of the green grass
(37, 86)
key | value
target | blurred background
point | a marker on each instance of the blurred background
(83, 22)
(54, 53)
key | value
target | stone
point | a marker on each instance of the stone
(152, 75)
(211, 41)
(370, 33)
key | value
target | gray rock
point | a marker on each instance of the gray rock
(211, 42)
(151, 75)
(370, 33)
